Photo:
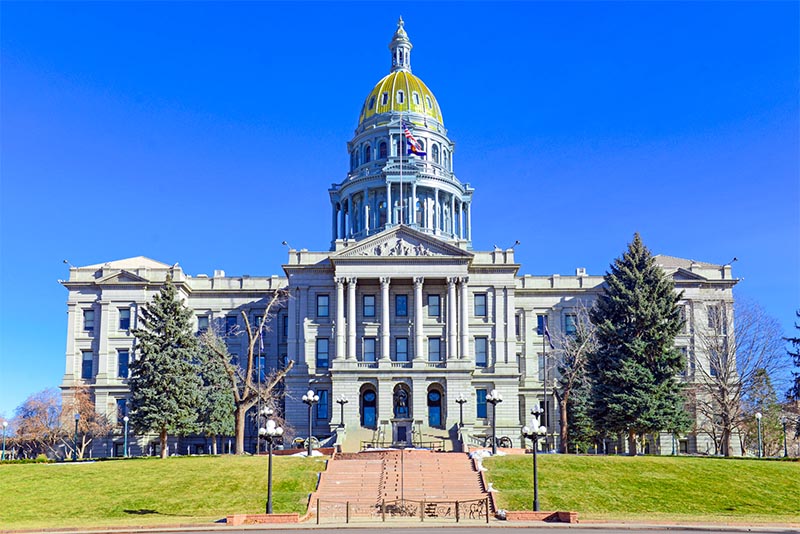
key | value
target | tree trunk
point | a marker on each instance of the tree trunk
(562, 402)
(163, 439)
(725, 442)
(239, 417)
(214, 445)
(631, 443)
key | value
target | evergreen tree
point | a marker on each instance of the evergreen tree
(216, 398)
(761, 398)
(794, 390)
(580, 427)
(633, 371)
(164, 381)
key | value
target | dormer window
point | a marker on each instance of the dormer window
(401, 97)
(415, 97)
(372, 103)
(384, 99)
(428, 101)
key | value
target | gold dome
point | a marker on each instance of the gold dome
(401, 92)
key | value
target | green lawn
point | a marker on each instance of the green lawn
(652, 488)
(150, 491)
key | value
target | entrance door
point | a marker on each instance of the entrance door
(434, 408)
(369, 417)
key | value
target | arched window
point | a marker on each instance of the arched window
(372, 103)
(401, 97)
(435, 418)
(367, 154)
(369, 408)
(428, 101)
(422, 147)
(382, 150)
(402, 402)
(446, 161)
(435, 153)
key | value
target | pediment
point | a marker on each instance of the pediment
(683, 274)
(121, 277)
(401, 242)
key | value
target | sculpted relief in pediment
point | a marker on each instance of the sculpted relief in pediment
(398, 247)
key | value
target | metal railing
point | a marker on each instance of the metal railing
(375, 444)
(335, 511)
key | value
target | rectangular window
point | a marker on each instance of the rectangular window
(716, 319)
(230, 324)
(122, 409)
(570, 324)
(480, 304)
(88, 321)
(401, 305)
(322, 353)
(87, 364)
(285, 324)
(124, 318)
(401, 349)
(481, 344)
(283, 359)
(518, 325)
(685, 327)
(123, 358)
(541, 324)
(322, 405)
(434, 306)
(434, 349)
(323, 305)
(369, 349)
(480, 403)
(257, 320)
(369, 305)
(202, 323)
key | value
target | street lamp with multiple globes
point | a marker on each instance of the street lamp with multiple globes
(310, 399)
(758, 419)
(461, 400)
(5, 426)
(270, 433)
(533, 433)
(341, 401)
(75, 441)
(784, 420)
(125, 444)
(494, 398)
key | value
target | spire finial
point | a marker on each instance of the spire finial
(401, 48)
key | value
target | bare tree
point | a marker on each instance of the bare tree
(245, 384)
(572, 352)
(37, 424)
(91, 424)
(732, 347)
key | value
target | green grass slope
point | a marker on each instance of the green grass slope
(150, 491)
(652, 488)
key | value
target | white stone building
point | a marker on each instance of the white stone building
(400, 317)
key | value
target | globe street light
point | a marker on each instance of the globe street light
(5, 425)
(758, 419)
(310, 399)
(533, 433)
(125, 445)
(784, 420)
(494, 398)
(341, 401)
(75, 441)
(270, 433)
(461, 400)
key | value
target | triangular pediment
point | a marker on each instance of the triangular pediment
(138, 262)
(121, 277)
(401, 242)
(683, 274)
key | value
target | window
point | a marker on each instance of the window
(401, 97)
(480, 304)
(401, 349)
(124, 318)
(372, 103)
(322, 405)
(435, 153)
(570, 324)
(401, 305)
(368, 154)
(434, 306)
(415, 97)
(384, 99)
(283, 360)
(202, 323)
(369, 349)
(87, 364)
(88, 321)
(285, 325)
(518, 325)
(322, 353)
(122, 409)
(369, 305)
(323, 305)
(257, 320)
(541, 324)
(480, 403)
(382, 150)
(434, 349)
(123, 357)
(685, 327)
(716, 318)
(481, 344)
(428, 101)
(230, 325)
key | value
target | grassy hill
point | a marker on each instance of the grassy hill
(652, 488)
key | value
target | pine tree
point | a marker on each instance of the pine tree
(633, 371)
(216, 397)
(794, 390)
(164, 380)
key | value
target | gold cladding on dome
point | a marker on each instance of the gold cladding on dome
(409, 85)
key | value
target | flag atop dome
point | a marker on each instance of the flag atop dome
(414, 147)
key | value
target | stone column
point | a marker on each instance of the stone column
(386, 350)
(452, 352)
(453, 215)
(437, 213)
(333, 221)
(389, 218)
(351, 319)
(342, 220)
(412, 212)
(464, 319)
(511, 335)
(366, 212)
(340, 319)
(102, 329)
(418, 327)
(469, 221)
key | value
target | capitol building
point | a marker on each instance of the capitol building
(401, 317)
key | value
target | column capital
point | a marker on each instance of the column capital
(340, 280)
(464, 279)
(385, 281)
(352, 280)
(452, 280)
(418, 281)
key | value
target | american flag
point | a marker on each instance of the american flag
(413, 145)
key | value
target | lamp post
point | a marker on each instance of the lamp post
(494, 398)
(75, 441)
(341, 401)
(270, 432)
(5, 426)
(784, 420)
(125, 443)
(461, 400)
(534, 433)
(310, 399)
(758, 419)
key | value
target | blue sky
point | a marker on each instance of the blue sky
(207, 133)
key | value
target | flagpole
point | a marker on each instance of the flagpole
(544, 364)
(402, 200)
